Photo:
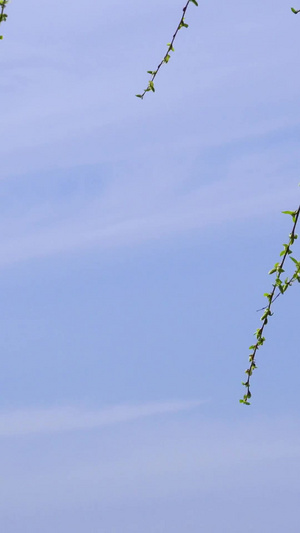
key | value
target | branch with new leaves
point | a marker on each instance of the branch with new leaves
(167, 56)
(3, 16)
(279, 288)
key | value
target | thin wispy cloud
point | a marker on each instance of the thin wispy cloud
(133, 214)
(64, 419)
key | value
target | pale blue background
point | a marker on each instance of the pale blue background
(136, 237)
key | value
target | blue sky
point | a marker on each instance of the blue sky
(136, 237)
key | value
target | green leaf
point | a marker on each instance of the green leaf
(245, 402)
(183, 24)
(151, 86)
(294, 10)
(194, 2)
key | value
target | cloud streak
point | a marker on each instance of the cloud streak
(128, 203)
(64, 419)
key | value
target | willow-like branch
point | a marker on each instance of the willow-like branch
(170, 49)
(3, 16)
(282, 287)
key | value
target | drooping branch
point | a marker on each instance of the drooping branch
(3, 16)
(167, 56)
(279, 285)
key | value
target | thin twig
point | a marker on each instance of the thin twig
(167, 55)
(3, 16)
(271, 298)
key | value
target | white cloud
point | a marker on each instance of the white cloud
(149, 203)
(63, 419)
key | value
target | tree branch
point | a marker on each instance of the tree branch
(170, 49)
(282, 287)
(3, 16)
